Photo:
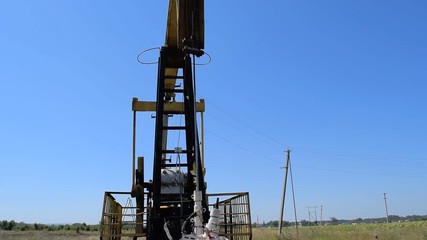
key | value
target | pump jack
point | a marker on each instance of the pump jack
(175, 205)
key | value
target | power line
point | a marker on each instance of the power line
(242, 147)
(309, 167)
(357, 158)
(373, 162)
(232, 116)
(330, 153)
(353, 155)
(360, 172)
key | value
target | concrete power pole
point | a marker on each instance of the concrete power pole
(321, 215)
(315, 215)
(386, 209)
(309, 214)
(288, 153)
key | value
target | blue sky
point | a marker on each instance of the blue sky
(342, 83)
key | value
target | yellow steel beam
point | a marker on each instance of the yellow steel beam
(172, 26)
(185, 20)
(145, 106)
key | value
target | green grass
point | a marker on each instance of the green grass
(391, 231)
(47, 235)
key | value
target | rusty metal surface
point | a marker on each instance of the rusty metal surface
(185, 27)
(185, 21)
(235, 214)
(117, 222)
(120, 219)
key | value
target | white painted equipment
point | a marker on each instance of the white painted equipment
(172, 181)
(211, 230)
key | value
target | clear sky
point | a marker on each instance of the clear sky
(341, 83)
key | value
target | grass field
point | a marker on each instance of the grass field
(47, 235)
(391, 231)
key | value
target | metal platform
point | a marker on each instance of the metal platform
(235, 214)
(122, 219)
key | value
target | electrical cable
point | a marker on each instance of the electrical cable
(165, 227)
(360, 155)
(184, 225)
(242, 130)
(293, 196)
(248, 126)
(370, 161)
(242, 147)
(345, 156)
(149, 63)
(360, 172)
(147, 50)
(206, 63)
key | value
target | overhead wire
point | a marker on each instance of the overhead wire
(308, 150)
(359, 172)
(360, 155)
(249, 126)
(346, 156)
(141, 53)
(338, 155)
(234, 126)
(367, 160)
(242, 147)
(138, 57)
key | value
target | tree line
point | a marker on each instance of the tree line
(335, 221)
(21, 226)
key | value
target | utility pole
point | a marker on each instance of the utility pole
(386, 209)
(309, 214)
(321, 215)
(315, 215)
(288, 157)
(312, 214)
